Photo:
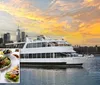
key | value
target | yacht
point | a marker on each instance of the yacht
(44, 51)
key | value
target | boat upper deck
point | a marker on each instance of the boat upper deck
(39, 42)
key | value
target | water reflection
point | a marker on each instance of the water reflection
(89, 75)
(52, 76)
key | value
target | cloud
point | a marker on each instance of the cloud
(94, 41)
(72, 19)
(7, 22)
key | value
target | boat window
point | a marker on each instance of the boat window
(39, 44)
(60, 55)
(30, 45)
(30, 55)
(20, 45)
(21, 55)
(51, 55)
(57, 55)
(26, 55)
(47, 55)
(59, 43)
(34, 45)
(38, 55)
(43, 55)
(44, 44)
(34, 55)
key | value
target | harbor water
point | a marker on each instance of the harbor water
(88, 75)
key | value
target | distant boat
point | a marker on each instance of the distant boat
(44, 51)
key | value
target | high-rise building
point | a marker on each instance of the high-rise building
(6, 38)
(18, 39)
(1, 40)
(23, 37)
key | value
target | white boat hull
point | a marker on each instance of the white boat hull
(68, 61)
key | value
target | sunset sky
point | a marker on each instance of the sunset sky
(77, 21)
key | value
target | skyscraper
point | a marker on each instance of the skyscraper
(18, 39)
(23, 37)
(1, 40)
(6, 37)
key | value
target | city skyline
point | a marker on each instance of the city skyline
(20, 36)
(78, 21)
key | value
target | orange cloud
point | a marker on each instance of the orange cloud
(76, 22)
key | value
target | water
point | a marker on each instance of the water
(89, 75)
